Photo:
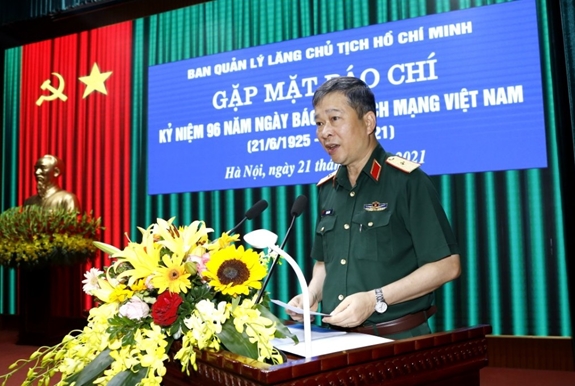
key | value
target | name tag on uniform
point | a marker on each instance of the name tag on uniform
(327, 212)
(375, 206)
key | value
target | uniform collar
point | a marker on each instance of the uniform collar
(373, 168)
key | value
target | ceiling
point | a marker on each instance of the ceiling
(82, 18)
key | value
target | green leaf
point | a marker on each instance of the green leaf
(120, 327)
(93, 370)
(236, 342)
(175, 328)
(32, 236)
(281, 330)
(128, 378)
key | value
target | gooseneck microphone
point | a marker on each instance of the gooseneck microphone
(296, 210)
(251, 213)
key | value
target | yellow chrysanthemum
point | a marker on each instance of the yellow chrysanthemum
(120, 294)
(140, 285)
(173, 277)
(234, 271)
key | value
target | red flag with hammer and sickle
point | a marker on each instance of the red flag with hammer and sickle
(75, 103)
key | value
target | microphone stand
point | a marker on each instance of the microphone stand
(237, 226)
(296, 210)
(262, 238)
(274, 263)
(251, 213)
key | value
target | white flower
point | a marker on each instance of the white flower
(205, 323)
(136, 308)
(91, 281)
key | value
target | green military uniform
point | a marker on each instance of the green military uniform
(379, 231)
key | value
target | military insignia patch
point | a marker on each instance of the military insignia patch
(375, 206)
(327, 212)
(375, 170)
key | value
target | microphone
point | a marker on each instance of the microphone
(296, 210)
(251, 213)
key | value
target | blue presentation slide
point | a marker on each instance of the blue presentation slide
(457, 92)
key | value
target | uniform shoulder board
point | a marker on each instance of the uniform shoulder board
(327, 178)
(402, 164)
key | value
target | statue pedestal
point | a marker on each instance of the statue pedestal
(49, 303)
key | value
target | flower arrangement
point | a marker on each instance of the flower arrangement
(174, 285)
(34, 236)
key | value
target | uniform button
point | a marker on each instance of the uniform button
(342, 261)
(370, 224)
(340, 297)
(322, 228)
(346, 226)
(352, 194)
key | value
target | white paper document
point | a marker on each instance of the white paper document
(326, 341)
(295, 309)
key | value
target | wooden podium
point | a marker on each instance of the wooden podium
(444, 358)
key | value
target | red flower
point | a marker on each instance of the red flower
(165, 309)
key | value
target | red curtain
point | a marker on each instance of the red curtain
(87, 125)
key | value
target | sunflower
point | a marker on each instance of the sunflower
(233, 271)
(173, 276)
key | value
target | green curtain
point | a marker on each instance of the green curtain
(509, 224)
(9, 164)
(568, 23)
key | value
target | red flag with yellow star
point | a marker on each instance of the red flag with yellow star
(75, 104)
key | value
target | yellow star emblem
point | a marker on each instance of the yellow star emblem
(95, 81)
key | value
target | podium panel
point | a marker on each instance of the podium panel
(444, 358)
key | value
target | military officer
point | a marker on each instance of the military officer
(383, 242)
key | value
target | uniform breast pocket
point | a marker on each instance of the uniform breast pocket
(374, 236)
(325, 229)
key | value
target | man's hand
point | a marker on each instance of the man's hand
(315, 292)
(353, 310)
(297, 301)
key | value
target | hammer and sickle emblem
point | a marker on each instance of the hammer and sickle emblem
(56, 92)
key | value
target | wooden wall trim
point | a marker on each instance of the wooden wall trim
(531, 352)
